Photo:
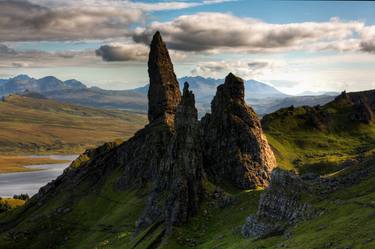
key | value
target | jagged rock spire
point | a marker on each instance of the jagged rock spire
(235, 87)
(179, 189)
(187, 105)
(164, 93)
(236, 150)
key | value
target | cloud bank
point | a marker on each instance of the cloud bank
(12, 58)
(245, 69)
(25, 21)
(221, 32)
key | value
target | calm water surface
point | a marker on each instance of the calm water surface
(30, 182)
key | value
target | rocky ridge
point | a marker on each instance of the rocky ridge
(236, 148)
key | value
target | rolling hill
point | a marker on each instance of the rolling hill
(318, 139)
(34, 124)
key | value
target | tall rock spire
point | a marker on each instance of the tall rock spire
(236, 150)
(164, 93)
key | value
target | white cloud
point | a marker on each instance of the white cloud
(12, 58)
(222, 32)
(244, 69)
(143, 6)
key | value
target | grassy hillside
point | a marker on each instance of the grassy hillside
(105, 218)
(305, 139)
(37, 125)
(318, 139)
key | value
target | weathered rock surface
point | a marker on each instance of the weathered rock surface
(353, 172)
(164, 93)
(236, 150)
(180, 175)
(281, 205)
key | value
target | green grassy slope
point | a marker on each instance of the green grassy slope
(304, 140)
(308, 139)
(106, 219)
(35, 125)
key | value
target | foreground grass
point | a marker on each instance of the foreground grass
(9, 164)
(41, 126)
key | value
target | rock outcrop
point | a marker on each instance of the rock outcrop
(169, 159)
(362, 112)
(164, 93)
(281, 205)
(363, 104)
(236, 150)
(180, 175)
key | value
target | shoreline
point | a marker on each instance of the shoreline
(20, 163)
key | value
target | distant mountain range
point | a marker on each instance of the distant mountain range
(75, 92)
(311, 93)
(205, 88)
(261, 96)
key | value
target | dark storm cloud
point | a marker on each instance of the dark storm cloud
(129, 52)
(368, 46)
(5, 50)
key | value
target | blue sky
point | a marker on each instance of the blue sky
(295, 46)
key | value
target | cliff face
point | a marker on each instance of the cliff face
(236, 148)
(178, 183)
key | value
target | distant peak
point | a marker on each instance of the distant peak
(22, 77)
(49, 78)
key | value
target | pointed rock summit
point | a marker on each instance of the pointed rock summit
(237, 152)
(164, 93)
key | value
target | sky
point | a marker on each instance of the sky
(295, 46)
